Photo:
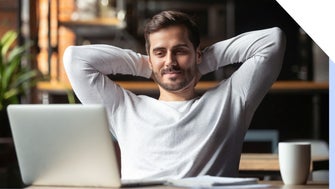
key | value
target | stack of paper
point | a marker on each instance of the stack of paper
(210, 181)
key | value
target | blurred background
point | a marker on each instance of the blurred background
(296, 108)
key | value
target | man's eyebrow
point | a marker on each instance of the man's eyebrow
(174, 47)
(158, 49)
(180, 45)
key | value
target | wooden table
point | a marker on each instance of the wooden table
(259, 162)
(280, 185)
(261, 185)
(265, 161)
(266, 166)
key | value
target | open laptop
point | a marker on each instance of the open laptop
(66, 145)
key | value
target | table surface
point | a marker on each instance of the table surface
(265, 162)
(261, 184)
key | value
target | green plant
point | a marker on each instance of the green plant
(15, 79)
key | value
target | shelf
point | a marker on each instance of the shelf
(148, 86)
(93, 22)
(300, 86)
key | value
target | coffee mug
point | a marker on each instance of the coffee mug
(294, 162)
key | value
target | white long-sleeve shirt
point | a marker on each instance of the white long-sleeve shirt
(202, 136)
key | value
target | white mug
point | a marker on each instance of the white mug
(294, 162)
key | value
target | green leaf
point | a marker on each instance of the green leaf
(15, 79)
(9, 72)
(6, 41)
(11, 93)
(25, 77)
(17, 52)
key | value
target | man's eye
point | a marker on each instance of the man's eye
(159, 53)
(181, 51)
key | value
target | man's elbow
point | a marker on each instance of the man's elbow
(72, 60)
(280, 39)
(68, 55)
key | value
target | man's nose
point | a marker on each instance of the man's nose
(170, 59)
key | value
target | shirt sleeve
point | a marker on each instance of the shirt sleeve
(88, 68)
(261, 54)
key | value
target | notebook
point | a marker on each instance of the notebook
(66, 145)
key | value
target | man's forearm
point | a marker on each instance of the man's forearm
(107, 60)
(239, 49)
(88, 68)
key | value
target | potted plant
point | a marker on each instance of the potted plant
(15, 78)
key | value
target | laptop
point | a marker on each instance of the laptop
(66, 145)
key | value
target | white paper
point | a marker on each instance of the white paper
(211, 181)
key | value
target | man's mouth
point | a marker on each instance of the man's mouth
(171, 71)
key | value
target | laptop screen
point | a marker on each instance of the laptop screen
(64, 145)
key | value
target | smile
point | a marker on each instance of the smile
(172, 72)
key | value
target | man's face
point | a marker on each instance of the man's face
(173, 58)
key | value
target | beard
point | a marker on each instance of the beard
(184, 79)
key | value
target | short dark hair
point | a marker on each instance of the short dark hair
(166, 19)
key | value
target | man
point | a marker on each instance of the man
(180, 134)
